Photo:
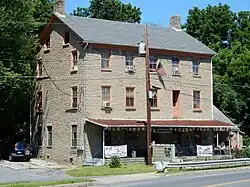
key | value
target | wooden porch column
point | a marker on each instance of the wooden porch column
(103, 145)
(217, 139)
(238, 139)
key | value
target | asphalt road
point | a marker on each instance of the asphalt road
(235, 178)
(29, 171)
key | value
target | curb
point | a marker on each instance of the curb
(205, 171)
(83, 184)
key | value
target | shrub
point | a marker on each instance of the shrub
(246, 152)
(115, 162)
(238, 153)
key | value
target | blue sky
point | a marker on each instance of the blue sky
(159, 11)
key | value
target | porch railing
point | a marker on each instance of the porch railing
(192, 151)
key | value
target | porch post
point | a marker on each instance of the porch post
(217, 139)
(103, 146)
(238, 139)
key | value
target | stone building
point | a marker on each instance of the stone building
(91, 88)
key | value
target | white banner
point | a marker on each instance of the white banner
(204, 150)
(118, 150)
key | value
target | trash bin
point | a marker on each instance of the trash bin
(133, 153)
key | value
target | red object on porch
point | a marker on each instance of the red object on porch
(160, 123)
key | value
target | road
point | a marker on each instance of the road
(224, 178)
(30, 171)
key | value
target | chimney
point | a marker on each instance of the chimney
(175, 22)
(59, 7)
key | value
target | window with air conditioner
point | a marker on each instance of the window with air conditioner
(175, 66)
(105, 96)
(129, 62)
(153, 98)
(153, 63)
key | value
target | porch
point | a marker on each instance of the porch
(184, 135)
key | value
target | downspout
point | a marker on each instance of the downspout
(84, 99)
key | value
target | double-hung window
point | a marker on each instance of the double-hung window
(196, 100)
(130, 98)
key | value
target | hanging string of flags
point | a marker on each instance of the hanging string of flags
(168, 130)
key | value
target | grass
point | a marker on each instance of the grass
(46, 183)
(106, 170)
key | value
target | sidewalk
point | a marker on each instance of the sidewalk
(106, 181)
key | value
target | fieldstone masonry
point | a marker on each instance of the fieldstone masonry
(89, 78)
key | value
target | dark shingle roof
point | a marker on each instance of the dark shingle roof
(130, 34)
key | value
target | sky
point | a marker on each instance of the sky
(159, 11)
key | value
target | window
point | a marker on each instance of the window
(175, 95)
(130, 97)
(66, 37)
(74, 59)
(152, 63)
(153, 99)
(47, 42)
(175, 65)
(196, 64)
(39, 68)
(129, 60)
(74, 97)
(74, 135)
(39, 136)
(196, 99)
(49, 129)
(106, 94)
(105, 55)
(39, 101)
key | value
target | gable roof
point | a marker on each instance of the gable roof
(130, 34)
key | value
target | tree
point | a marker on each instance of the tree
(20, 23)
(110, 10)
(212, 25)
(228, 34)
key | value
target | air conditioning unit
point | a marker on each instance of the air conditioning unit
(176, 71)
(131, 68)
(81, 148)
(75, 68)
(106, 104)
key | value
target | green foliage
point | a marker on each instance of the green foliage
(19, 44)
(238, 153)
(115, 162)
(228, 34)
(110, 10)
(246, 141)
(246, 152)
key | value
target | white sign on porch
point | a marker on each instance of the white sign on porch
(204, 150)
(118, 150)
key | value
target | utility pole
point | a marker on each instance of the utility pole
(147, 98)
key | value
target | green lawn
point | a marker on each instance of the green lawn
(106, 170)
(37, 184)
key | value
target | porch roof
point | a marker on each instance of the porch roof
(160, 123)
